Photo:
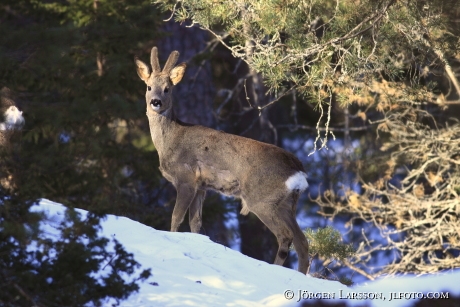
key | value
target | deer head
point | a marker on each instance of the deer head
(160, 82)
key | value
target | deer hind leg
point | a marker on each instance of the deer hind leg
(195, 211)
(185, 195)
(281, 221)
(300, 245)
(284, 235)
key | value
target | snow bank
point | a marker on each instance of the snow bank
(190, 270)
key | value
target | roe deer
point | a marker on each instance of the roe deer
(266, 178)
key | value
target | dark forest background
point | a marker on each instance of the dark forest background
(68, 65)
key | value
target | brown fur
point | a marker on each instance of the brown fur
(196, 158)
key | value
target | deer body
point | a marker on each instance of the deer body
(268, 179)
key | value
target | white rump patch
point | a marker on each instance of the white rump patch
(13, 119)
(298, 181)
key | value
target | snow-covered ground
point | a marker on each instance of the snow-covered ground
(190, 270)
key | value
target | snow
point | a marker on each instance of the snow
(190, 270)
(13, 119)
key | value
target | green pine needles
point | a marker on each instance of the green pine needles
(69, 266)
(327, 250)
(327, 244)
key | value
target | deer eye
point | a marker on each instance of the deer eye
(149, 88)
(166, 89)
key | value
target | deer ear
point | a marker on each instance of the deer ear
(142, 69)
(177, 73)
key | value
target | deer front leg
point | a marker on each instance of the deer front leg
(185, 195)
(195, 211)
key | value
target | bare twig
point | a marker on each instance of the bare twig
(417, 219)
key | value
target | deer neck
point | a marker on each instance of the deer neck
(162, 128)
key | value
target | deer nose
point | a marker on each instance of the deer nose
(155, 102)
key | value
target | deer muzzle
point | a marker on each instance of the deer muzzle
(156, 103)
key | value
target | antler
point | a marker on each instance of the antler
(154, 60)
(171, 61)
